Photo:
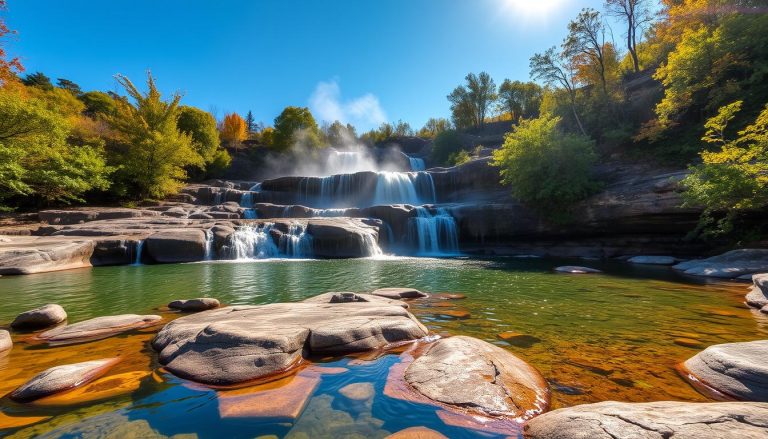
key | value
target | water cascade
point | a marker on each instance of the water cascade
(253, 242)
(436, 234)
(246, 201)
(349, 162)
(417, 164)
(370, 245)
(208, 245)
(138, 248)
(414, 188)
(297, 243)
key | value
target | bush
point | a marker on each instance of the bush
(546, 168)
(445, 145)
(459, 158)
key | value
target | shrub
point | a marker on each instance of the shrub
(446, 144)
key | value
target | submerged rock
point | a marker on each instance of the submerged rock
(42, 317)
(652, 260)
(573, 269)
(399, 293)
(61, 378)
(465, 372)
(195, 305)
(240, 343)
(98, 328)
(358, 391)
(653, 420)
(737, 370)
(729, 265)
(519, 339)
(417, 433)
(6, 343)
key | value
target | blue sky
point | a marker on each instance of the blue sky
(357, 60)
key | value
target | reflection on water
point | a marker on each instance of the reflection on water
(614, 336)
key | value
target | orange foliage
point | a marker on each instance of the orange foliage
(233, 129)
(7, 67)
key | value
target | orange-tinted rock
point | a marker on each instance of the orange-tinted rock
(454, 313)
(448, 296)
(519, 339)
(485, 424)
(282, 399)
(100, 389)
(19, 421)
(417, 433)
(98, 328)
(61, 379)
(688, 342)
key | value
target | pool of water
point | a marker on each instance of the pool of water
(611, 336)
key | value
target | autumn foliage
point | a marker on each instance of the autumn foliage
(7, 66)
(233, 130)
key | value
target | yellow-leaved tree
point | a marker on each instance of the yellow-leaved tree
(233, 130)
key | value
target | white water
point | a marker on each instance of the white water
(138, 249)
(208, 245)
(435, 234)
(328, 213)
(414, 188)
(417, 164)
(246, 201)
(370, 246)
(253, 242)
(349, 162)
(297, 243)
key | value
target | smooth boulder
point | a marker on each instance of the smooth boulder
(758, 295)
(25, 255)
(6, 343)
(652, 420)
(652, 260)
(195, 305)
(468, 373)
(61, 378)
(172, 246)
(42, 317)
(737, 370)
(241, 343)
(730, 265)
(573, 269)
(98, 328)
(399, 293)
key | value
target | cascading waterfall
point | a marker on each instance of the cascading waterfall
(297, 243)
(436, 234)
(349, 162)
(208, 245)
(329, 213)
(370, 245)
(253, 242)
(404, 188)
(417, 164)
(138, 249)
(246, 201)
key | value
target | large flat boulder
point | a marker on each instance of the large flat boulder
(728, 265)
(653, 420)
(758, 295)
(652, 260)
(195, 305)
(468, 373)
(61, 378)
(6, 343)
(67, 217)
(181, 245)
(28, 255)
(98, 328)
(737, 370)
(240, 343)
(38, 318)
(399, 293)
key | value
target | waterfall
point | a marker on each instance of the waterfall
(404, 188)
(253, 242)
(246, 201)
(417, 164)
(370, 245)
(436, 234)
(349, 162)
(138, 249)
(297, 243)
(208, 245)
(328, 213)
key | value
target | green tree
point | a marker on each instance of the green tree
(97, 103)
(250, 123)
(155, 153)
(555, 70)
(201, 125)
(38, 79)
(470, 102)
(69, 86)
(734, 179)
(545, 168)
(295, 125)
(445, 145)
(520, 99)
(403, 129)
(338, 134)
(435, 126)
(585, 43)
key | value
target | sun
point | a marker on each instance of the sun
(532, 9)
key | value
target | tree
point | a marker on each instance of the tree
(338, 134)
(38, 79)
(403, 129)
(97, 103)
(470, 102)
(546, 168)
(8, 67)
(434, 126)
(520, 99)
(233, 130)
(445, 146)
(36, 160)
(585, 43)
(68, 85)
(201, 126)
(554, 69)
(250, 123)
(154, 152)
(636, 15)
(734, 179)
(295, 125)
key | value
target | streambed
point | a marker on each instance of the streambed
(613, 336)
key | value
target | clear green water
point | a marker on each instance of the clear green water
(611, 336)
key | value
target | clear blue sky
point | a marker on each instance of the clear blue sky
(360, 60)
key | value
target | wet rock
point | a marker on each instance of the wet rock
(573, 269)
(347, 297)
(417, 433)
(448, 296)
(460, 314)
(465, 372)
(358, 391)
(42, 317)
(195, 305)
(758, 295)
(6, 343)
(399, 293)
(97, 390)
(98, 328)
(28, 255)
(61, 378)
(737, 370)
(652, 260)
(181, 245)
(654, 420)
(321, 420)
(518, 339)
(729, 265)
(688, 342)
(283, 400)
(235, 344)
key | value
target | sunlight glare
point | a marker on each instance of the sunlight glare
(532, 9)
